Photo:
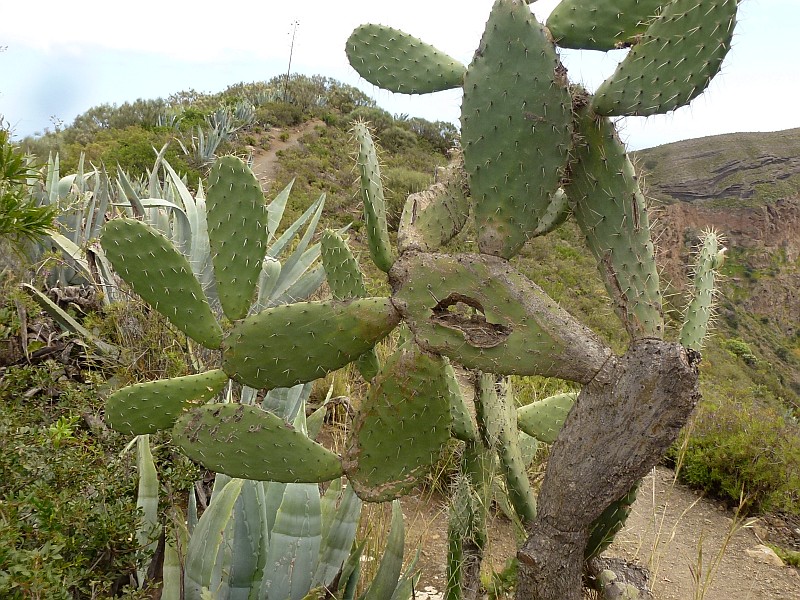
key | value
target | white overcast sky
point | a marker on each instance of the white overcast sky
(65, 57)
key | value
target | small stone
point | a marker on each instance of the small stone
(765, 554)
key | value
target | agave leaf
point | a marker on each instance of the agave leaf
(275, 211)
(206, 541)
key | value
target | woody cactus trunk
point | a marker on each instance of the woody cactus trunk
(536, 151)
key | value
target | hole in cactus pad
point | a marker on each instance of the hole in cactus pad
(467, 315)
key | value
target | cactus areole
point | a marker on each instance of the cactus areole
(536, 151)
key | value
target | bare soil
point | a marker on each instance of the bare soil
(265, 162)
(691, 545)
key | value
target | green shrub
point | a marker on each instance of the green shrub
(67, 499)
(279, 114)
(742, 445)
(738, 347)
(396, 139)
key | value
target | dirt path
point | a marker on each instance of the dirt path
(265, 162)
(671, 528)
(665, 532)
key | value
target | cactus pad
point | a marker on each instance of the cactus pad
(296, 343)
(545, 418)
(237, 233)
(346, 281)
(401, 428)
(399, 62)
(162, 276)
(515, 127)
(461, 422)
(700, 310)
(148, 407)
(676, 58)
(481, 313)
(611, 211)
(247, 442)
(605, 25)
(608, 524)
(498, 428)
(374, 203)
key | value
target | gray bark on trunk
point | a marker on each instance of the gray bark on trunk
(621, 425)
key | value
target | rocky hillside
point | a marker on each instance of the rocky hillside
(738, 169)
(747, 186)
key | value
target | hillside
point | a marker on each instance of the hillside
(738, 169)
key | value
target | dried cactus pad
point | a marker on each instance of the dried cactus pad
(401, 428)
(399, 62)
(247, 442)
(148, 407)
(162, 276)
(296, 343)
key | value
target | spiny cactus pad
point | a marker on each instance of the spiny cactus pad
(701, 307)
(401, 428)
(461, 422)
(162, 276)
(398, 62)
(296, 343)
(244, 441)
(678, 55)
(433, 217)
(544, 419)
(604, 25)
(606, 526)
(498, 428)
(374, 203)
(558, 210)
(516, 121)
(611, 211)
(237, 233)
(346, 281)
(148, 407)
(481, 313)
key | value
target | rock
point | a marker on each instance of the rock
(765, 554)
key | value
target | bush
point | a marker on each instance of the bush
(67, 501)
(279, 114)
(740, 348)
(741, 445)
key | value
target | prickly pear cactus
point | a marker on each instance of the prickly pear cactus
(537, 150)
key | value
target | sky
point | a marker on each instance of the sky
(60, 61)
